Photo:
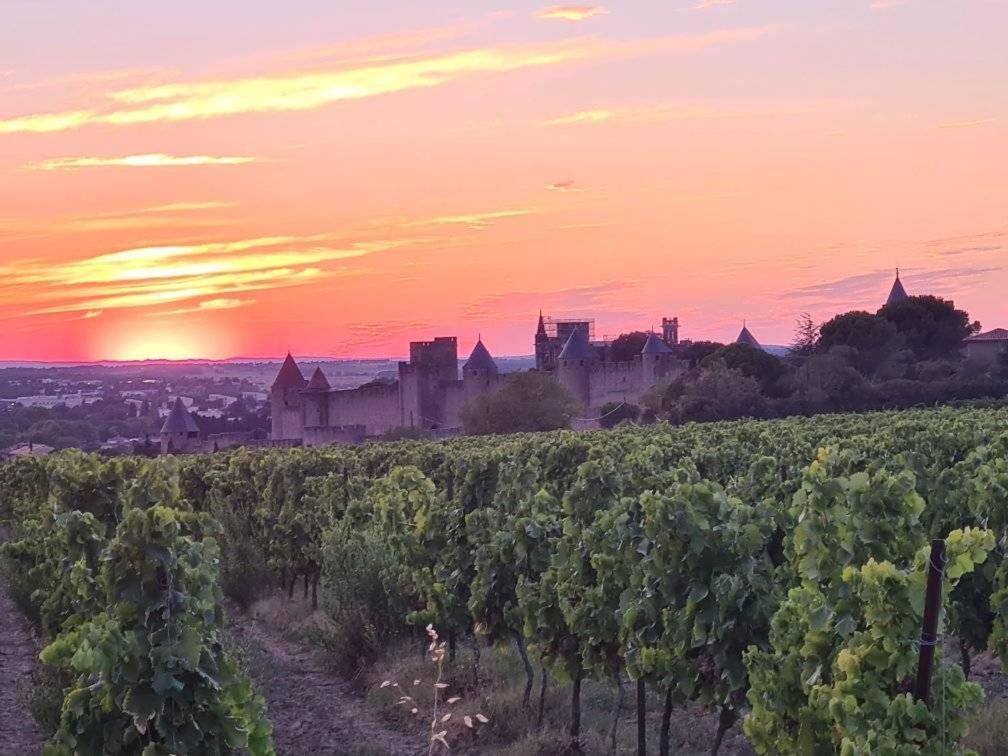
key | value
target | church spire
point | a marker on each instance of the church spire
(897, 293)
(541, 329)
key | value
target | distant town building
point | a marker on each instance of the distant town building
(987, 348)
(120, 445)
(51, 401)
(28, 449)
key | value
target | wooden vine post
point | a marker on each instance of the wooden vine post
(929, 630)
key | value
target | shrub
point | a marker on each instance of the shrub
(42, 695)
(615, 413)
(358, 593)
(19, 586)
(245, 576)
(405, 433)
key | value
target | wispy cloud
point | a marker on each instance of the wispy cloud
(703, 4)
(658, 113)
(883, 4)
(571, 301)
(209, 305)
(873, 286)
(305, 91)
(294, 91)
(146, 277)
(563, 186)
(571, 12)
(475, 221)
(582, 116)
(965, 124)
(146, 160)
(172, 215)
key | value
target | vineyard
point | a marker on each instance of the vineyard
(772, 572)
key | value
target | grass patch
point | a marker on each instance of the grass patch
(494, 685)
(988, 733)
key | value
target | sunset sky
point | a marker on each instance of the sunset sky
(236, 177)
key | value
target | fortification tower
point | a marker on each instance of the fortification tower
(670, 331)
(479, 374)
(179, 434)
(287, 402)
(657, 360)
(575, 364)
(431, 364)
(316, 400)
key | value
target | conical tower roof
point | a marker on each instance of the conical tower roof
(480, 359)
(541, 328)
(290, 375)
(318, 381)
(179, 420)
(745, 337)
(897, 293)
(654, 345)
(578, 347)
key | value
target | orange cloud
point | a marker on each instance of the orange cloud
(208, 305)
(305, 91)
(634, 115)
(584, 116)
(152, 276)
(476, 221)
(571, 12)
(146, 160)
(674, 112)
(291, 92)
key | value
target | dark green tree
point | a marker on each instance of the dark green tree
(806, 335)
(613, 413)
(932, 327)
(872, 337)
(526, 402)
(627, 346)
(716, 392)
(695, 351)
(751, 362)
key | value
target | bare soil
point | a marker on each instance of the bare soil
(314, 710)
(18, 649)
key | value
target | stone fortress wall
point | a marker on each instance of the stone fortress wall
(430, 393)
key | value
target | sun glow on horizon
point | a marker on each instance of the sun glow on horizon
(160, 342)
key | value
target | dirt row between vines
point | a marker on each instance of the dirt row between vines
(314, 710)
(18, 648)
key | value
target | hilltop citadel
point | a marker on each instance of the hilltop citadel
(430, 393)
(430, 390)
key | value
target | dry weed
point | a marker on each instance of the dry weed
(441, 720)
